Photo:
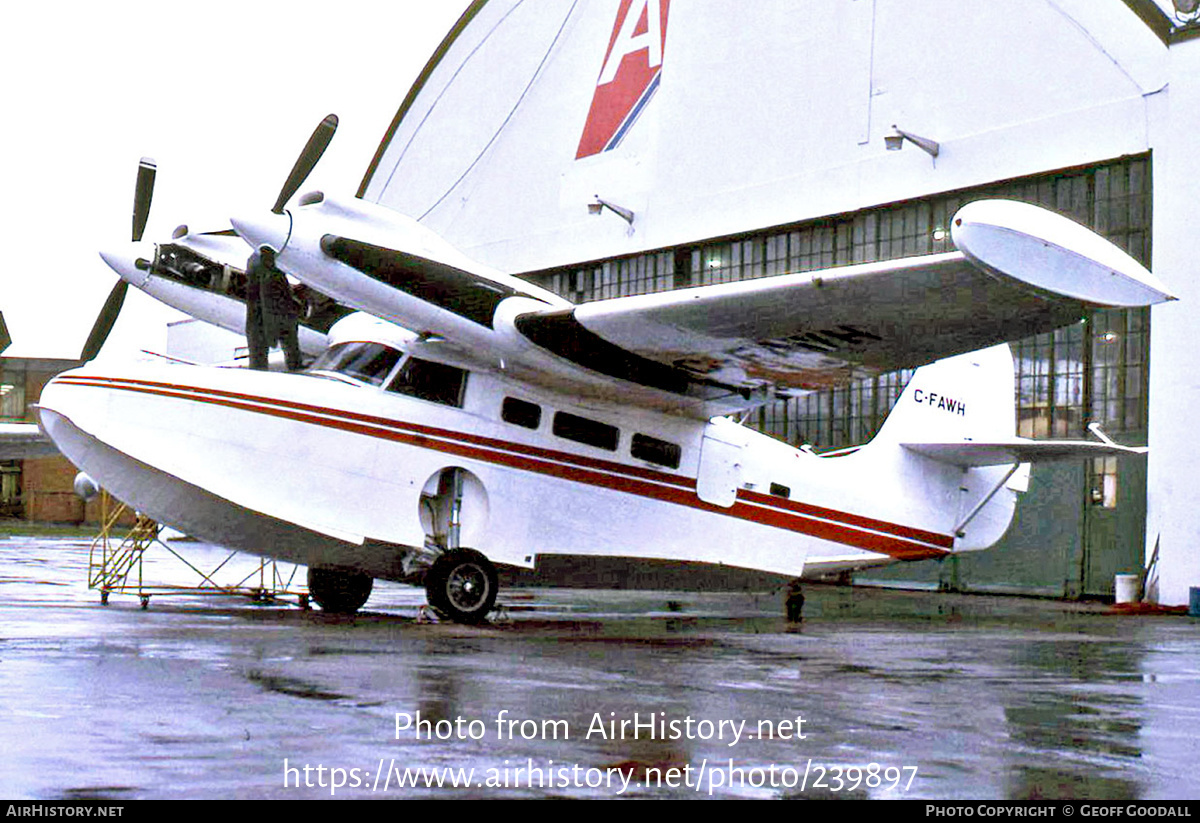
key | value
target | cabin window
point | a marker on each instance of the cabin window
(780, 490)
(521, 413)
(368, 362)
(588, 432)
(645, 447)
(435, 382)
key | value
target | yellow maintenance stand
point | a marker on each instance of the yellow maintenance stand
(115, 565)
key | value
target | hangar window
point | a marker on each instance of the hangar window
(1120, 353)
(426, 380)
(10, 489)
(521, 413)
(589, 432)
(12, 397)
(653, 450)
(366, 362)
(643, 274)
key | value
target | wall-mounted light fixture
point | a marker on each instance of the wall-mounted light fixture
(600, 205)
(895, 142)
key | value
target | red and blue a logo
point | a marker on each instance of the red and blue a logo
(630, 74)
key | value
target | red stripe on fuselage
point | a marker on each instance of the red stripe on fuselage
(900, 542)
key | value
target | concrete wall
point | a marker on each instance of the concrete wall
(1174, 497)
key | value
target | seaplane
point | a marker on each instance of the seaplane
(456, 420)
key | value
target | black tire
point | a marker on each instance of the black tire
(339, 591)
(462, 585)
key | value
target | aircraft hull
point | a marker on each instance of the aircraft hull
(196, 511)
(319, 472)
(331, 473)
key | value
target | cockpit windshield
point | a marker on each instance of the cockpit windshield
(367, 362)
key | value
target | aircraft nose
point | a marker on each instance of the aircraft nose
(267, 228)
(131, 262)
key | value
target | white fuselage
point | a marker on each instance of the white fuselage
(327, 472)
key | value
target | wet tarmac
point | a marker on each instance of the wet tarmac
(877, 694)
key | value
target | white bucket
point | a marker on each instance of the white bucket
(1128, 588)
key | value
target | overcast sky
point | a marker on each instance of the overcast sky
(223, 96)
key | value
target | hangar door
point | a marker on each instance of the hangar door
(1079, 524)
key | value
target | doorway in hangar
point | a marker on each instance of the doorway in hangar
(1080, 523)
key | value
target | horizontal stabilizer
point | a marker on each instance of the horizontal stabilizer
(1019, 450)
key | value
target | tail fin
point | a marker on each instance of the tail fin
(968, 400)
(960, 399)
(960, 412)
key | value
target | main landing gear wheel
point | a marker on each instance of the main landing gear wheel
(462, 585)
(339, 591)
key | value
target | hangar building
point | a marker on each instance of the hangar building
(36, 488)
(624, 146)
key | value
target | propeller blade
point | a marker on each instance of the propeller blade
(307, 160)
(143, 193)
(104, 323)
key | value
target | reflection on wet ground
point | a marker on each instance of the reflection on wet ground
(985, 697)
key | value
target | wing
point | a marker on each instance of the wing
(818, 329)
(711, 350)
(1020, 270)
